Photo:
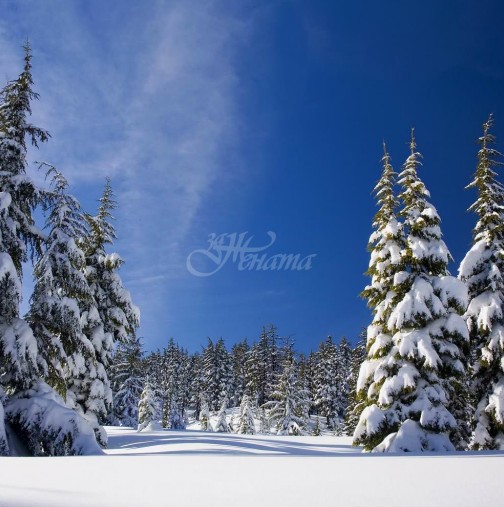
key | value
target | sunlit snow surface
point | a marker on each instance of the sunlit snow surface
(191, 468)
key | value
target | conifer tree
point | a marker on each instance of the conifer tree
(263, 365)
(222, 426)
(288, 410)
(246, 424)
(238, 356)
(147, 406)
(110, 318)
(385, 244)
(326, 381)
(60, 285)
(412, 386)
(20, 360)
(127, 382)
(355, 405)
(483, 271)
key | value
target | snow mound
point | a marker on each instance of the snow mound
(48, 427)
(151, 426)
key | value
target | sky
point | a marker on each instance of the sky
(231, 126)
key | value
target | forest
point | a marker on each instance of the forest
(426, 374)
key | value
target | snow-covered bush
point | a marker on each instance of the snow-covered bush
(222, 426)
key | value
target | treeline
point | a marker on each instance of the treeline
(277, 385)
(55, 390)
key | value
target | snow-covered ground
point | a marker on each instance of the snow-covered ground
(192, 468)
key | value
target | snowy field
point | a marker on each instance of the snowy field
(192, 468)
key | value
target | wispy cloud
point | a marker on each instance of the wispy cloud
(151, 104)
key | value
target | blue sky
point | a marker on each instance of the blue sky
(221, 117)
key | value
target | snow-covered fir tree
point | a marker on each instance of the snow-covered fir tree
(326, 381)
(110, 318)
(245, 423)
(35, 411)
(308, 376)
(222, 426)
(148, 406)
(171, 368)
(204, 416)
(60, 285)
(262, 365)
(127, 378)
(197, 384)
(217, 373)
(343, 362)
(355, 405)
(288, 409)
(412, 381)
(483, 271)
(385, 244)
(238, 383)
(20, 359)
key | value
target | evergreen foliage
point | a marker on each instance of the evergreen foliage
(246, 424)
(127, 379)
(148, 410)
(419, 345)
(482, 270)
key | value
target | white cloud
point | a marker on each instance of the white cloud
(158, 119)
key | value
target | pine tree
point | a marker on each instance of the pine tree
(60, 285)
(263, 365)
(170, 370)
(238, 356)
(326, 381)
(385, 244)
(246, 424)
(412, 386)
(127, 383)
(288, 410)
(147, 406)
(197, 384)
(110, 318)
(355, 405)
(483, 271)
(20, 359)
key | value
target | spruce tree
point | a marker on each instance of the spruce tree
(222, 426)
(238, 356)
(147, 406)
(483, 271)
(355, 405)
(385, 244)
(20, 360)
(414, 384)
(60, 285)
(109, 318)
(326, 381)
(246, 424)
(288, 409)
(127, 383)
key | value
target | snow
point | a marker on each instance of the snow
(55, 429)
(163, 468)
